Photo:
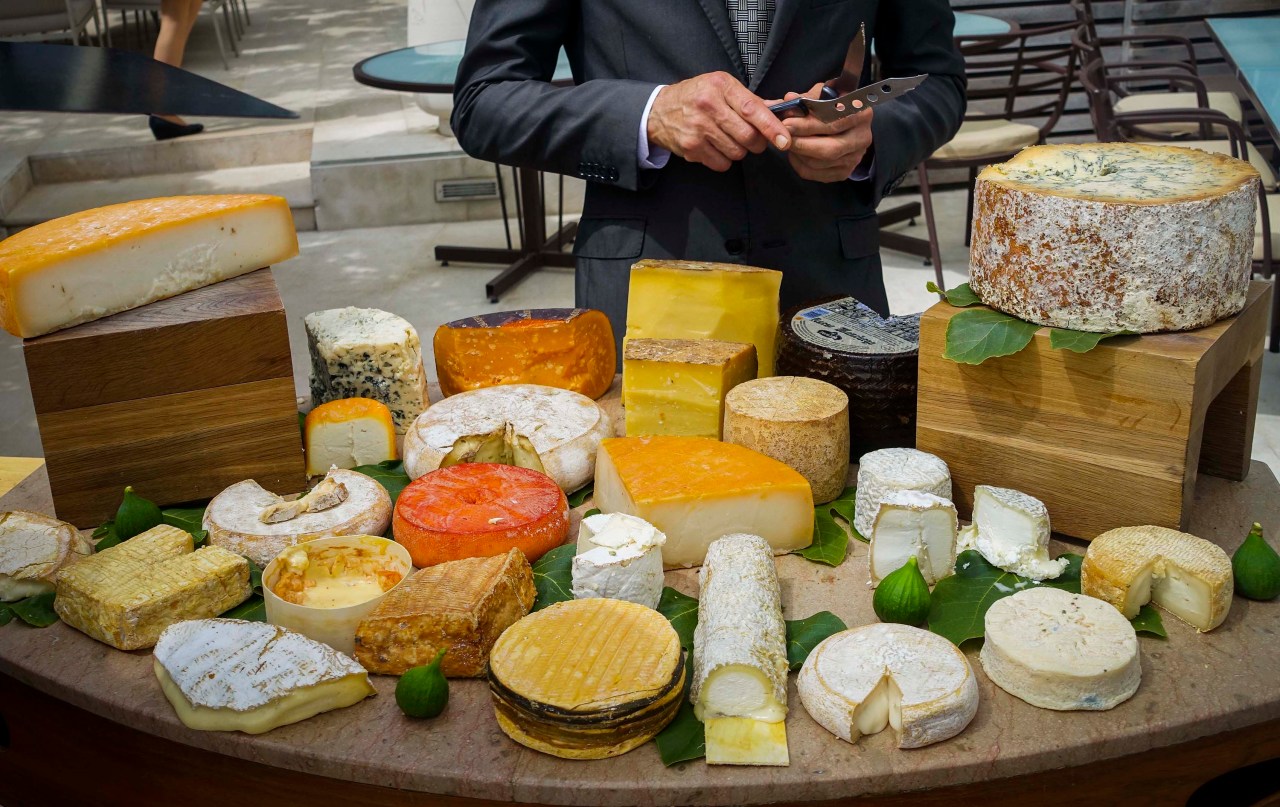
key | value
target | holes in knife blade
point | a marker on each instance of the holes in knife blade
(872, 97)
(886, 89)
(840, 106)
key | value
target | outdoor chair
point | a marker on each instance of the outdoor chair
(1013, 78)
(49, 19)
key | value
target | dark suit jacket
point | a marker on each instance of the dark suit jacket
(823, 236)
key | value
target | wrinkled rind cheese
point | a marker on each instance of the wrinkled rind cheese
(233, 517)
(33, 548)
(892, 469)
(801, 421)
(861, 680)
(1114, 236)
(695, 490)
(233, 675)
(725, 301)
(125, 596)
(1187, 576)
(367, 353)
(913, 524)
(569, 348)
(99, 262)
(348, 433)
(562, 428)
(462, 605)
(678, 386)
(1061, 651)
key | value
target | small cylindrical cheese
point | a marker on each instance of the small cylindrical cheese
(803, 422)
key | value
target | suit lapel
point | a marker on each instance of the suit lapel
(783, 14)
(718, 13)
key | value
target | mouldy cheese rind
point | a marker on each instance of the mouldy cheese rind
(33, 548)
(1114, 236)
(99, 262)
(892, 469)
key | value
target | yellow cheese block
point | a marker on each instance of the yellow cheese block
(696, 489)
(110, 259)
(697, 300)
(678, 386)
(348, 433)
(127, 595)
(746, 741)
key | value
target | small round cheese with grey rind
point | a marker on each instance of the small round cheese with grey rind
(555, 431)
(33, 547)
(861, 680)
(892, 469)
(1061, 651)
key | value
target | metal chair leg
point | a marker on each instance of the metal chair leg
(222, 48)
(502, 201)
(926, 202)
(231, 34)
(245, 5)
(235, 16)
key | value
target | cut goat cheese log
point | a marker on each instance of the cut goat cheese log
(127, 594)
(699, 300)
(740, 653)
(678, 386)
(1187, 576)
(551, 430)
(233, 675)
(1061, 651)
(800, 421)
(892, 469)
(859, 681)
(569, 348)
(110, 259)
(695, 489)
(1011, 530)
(367, 353)
(33, 548)
(620, 557)
(347, 433)
(235, 517)
(910, 524)
(1114, 236)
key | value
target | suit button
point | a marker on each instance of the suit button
(734, 246)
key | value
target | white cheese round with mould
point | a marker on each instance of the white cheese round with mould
(893, 469)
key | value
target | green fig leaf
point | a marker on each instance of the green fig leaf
(37, 611)
(805, 634)
(961, 296)
(1148, 621)
(980, 334)
(579, 497)
(553, 576)
(681, 611)
(684, 738)
(253, 609)
(1079, 341)
(832, 525)
(190, 519)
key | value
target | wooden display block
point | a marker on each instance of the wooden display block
(180, 399)
(1113, 437)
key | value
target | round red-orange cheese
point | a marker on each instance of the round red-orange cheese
(478, 510)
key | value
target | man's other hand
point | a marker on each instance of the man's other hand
(828, 152)
(713, 120)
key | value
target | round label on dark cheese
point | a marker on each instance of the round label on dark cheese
(848, 326)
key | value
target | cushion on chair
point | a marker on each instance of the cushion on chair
(981, 138)
(29, 17)
(1224, 102)
(1224, 147)
(1273, 212)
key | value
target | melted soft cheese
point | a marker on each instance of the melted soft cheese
(1121, 172)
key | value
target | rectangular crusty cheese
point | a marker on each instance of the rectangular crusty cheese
(127, 595)
(678, 386)
(99, 262)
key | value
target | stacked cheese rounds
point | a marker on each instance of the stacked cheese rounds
(587, 679)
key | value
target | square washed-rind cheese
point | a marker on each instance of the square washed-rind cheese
(99, 262)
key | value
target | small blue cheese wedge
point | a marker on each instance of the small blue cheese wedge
(619, 556)
(233, 675)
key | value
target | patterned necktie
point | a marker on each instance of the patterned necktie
(751, 19)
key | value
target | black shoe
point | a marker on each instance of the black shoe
(164, 130)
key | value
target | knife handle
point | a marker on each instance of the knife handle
(795, 107)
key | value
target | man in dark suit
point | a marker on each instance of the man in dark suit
(668, 122)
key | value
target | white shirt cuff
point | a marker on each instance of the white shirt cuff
(649, 156)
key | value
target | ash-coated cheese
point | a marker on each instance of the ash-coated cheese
(367, 353)
(1106, 237)
(619, 556)
(1061, 651)
(862, 680)
(800, 421)
(33, 547)
(892, 469)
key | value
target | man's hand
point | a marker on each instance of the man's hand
(828, 152)
(713, 120)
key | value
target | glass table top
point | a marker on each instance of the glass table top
(1251, 45)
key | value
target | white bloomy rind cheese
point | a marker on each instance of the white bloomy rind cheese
(555, 431)
(1114, 236)
(367, 353)
(913, 524)
(859, 681)
(1011, 529)
(33, 547)
(110, 259)
(1187, 576)
(620, 557)
(888, 470)
(740, 645)
(233, 675)
(1061, 651)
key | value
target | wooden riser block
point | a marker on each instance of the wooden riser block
(1113, 437)
(179, 399)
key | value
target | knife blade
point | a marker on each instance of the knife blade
(830, 110)
(851, 72)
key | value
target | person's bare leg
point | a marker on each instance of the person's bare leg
(177, 18)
